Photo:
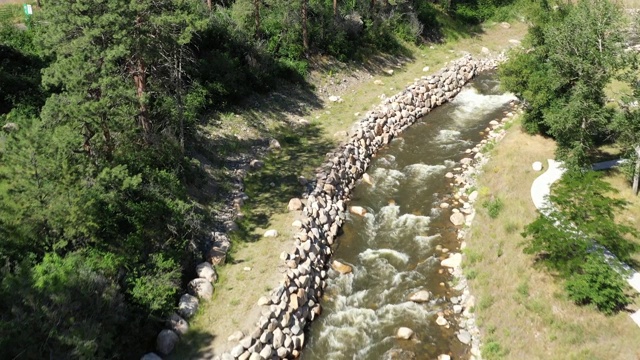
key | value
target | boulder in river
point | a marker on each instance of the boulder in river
(358, 210)
(404, 333)
(421, 296)
(340, 267)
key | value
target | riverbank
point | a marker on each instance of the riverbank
(522, 311)
(253, 271)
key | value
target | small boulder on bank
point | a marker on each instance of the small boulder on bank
(453, 261)
(201, 288)
(166, 341)
(295, 204)
(206, 271)
(457, 218)
(188, 305)
(537, 166)
(271, 233)
(178, 324)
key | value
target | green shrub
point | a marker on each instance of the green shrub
(493, 206)
(598, 284)
(493, 350)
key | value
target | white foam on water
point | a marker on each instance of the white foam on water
(450, 163)
(421, 172)
(425, 241)
(390, 255)
(405, 277)
(470, 104)
(387, 216)
(387, 180)
(448, 135)
(417, 223)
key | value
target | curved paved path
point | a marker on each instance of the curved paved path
(540, 190)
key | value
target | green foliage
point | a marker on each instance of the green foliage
(493, 206)
(492, 350)
(66, 307)
(157, 284)
(576, 51)
(583, 216)
(598, 284)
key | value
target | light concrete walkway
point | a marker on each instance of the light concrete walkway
(540, 190)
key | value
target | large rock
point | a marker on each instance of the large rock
(179, 325)
(358, 210)
(206, 271)
(421, 296)
(166, 341)
(404, 333)
(457, 219)
(218, 253)
(201, 288)
(188, 305)
(295, 204)
(464, 336)
(453, 261)
(537, 166)
(271, 233)
(340, 267)
(367, 179)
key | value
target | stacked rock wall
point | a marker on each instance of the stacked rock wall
(296, 302)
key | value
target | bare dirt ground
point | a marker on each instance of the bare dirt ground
(256, 267)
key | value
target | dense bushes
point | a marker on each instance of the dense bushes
(571, 238)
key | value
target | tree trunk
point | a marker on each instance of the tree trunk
(335, 8)
(140, 79)
(305, 34)
(38, 4)
(209, 5)
(636, 173)
(256, 14)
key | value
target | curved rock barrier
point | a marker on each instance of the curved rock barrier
(279, 333)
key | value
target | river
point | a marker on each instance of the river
(395, 248)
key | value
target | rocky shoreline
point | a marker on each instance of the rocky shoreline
(463, 212)
(294, 304)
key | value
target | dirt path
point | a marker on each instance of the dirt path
(256, 267)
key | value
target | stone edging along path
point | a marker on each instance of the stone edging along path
(295, 302)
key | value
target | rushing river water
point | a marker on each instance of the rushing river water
(393, 248)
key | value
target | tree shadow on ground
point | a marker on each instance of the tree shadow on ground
(195, 344)
(302, 149)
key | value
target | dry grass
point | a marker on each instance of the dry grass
(522, 310)
(236, 293)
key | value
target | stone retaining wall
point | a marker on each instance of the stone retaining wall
(296, 302)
